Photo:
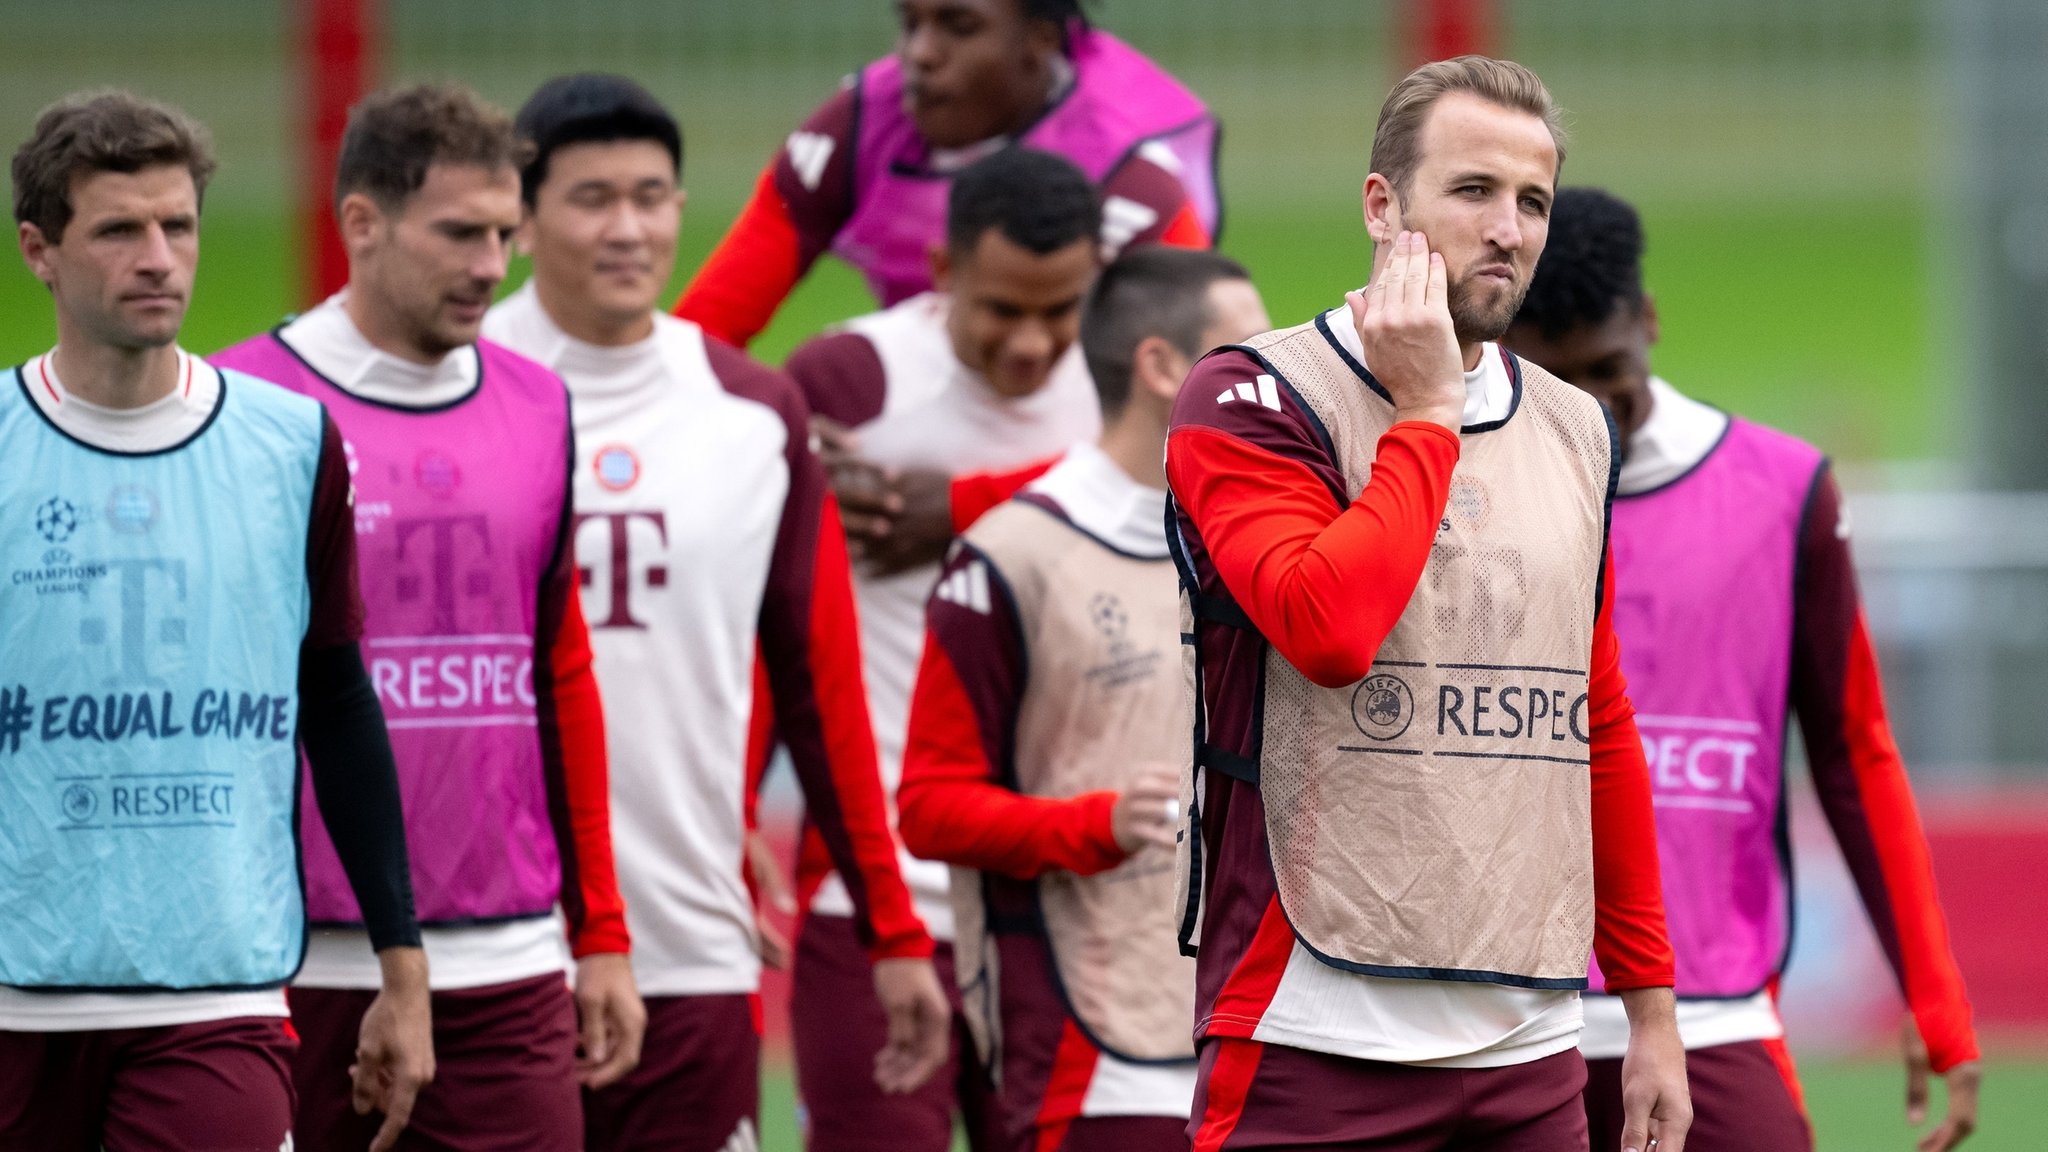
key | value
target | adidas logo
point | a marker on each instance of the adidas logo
(1262, 391)
(968, 588)
(743, 1139)
(808, 154)
(1122, 221)
(1161, 153)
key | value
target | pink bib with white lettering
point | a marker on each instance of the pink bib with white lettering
(459, 515)
(1703, 572)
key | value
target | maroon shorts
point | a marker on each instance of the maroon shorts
(1253, 1095)
(222, 1085)
(1113, 1134)
(837, 1027)
(504, 1071)
(698, 1086)
(1049, 1064)
(1745, 1098)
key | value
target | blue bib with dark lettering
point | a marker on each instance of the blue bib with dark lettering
(151, 612)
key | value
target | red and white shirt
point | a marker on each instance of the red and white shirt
(970, 690)
(1324, 582)
(706, 541)
(893, 378)
(806, 195)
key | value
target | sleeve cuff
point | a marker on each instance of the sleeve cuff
(916, 945)
(607, 935)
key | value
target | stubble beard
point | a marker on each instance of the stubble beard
(1478, 317)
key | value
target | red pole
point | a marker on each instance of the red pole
(1441, 29)
(337, 65)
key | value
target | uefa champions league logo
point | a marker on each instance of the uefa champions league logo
(56, 519)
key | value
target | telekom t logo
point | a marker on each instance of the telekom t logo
(440, 532)
(618, 560)
(132, 637)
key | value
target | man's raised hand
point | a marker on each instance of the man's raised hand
(1404, 324)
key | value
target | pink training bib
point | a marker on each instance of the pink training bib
(1119, 102)
(1703, 572)
(459, 513)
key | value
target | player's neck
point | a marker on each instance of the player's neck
(1135, 440)
(591, 325)
(1470, 353)
(112, 377)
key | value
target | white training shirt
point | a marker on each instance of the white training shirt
(688, 472)
(937, 413)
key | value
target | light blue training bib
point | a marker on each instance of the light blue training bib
(152, 608)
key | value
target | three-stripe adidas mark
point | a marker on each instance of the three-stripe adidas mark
(1262, 391)
(808, 154)
(968, 587)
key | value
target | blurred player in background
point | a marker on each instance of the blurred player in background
(462, 453)
(1042, 734)
(1409, 829)
(983, 373)
(1736, 598)
(149, 861)
(866, 177)
(706, 539)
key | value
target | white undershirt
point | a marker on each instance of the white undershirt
(1489, 390)
(160, 424)
(327, 339)
(1678, 433)
(1101, 499)
(153, 427)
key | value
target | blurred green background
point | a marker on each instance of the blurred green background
(1788, 158)
(1783, 154)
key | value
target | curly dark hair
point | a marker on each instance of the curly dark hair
(1591, 265)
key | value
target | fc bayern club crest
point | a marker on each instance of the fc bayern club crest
(616, 467)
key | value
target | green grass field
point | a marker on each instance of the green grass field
(1856, 1107)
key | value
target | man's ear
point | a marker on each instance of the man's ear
(1158, 369)
(360, 219)
(1650, 329)
(942, 268)
(1382, 209)
(35, 250)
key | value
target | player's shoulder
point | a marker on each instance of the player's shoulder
(1237, 390)
(742, 377)
(845, 374)
(506, 368)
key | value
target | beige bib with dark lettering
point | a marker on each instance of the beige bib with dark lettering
(1433, 819)
(1101, 703)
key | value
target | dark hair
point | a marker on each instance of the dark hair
(1067, 14)
(1035, 199)
(1591, 265)
(1149, 291)
(105, 131)
(590, 108)
(394, 136)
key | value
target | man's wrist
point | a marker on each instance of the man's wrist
(404, 968)
(1446, 415)
(1649, 1006)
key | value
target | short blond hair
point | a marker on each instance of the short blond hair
(1397, 141)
